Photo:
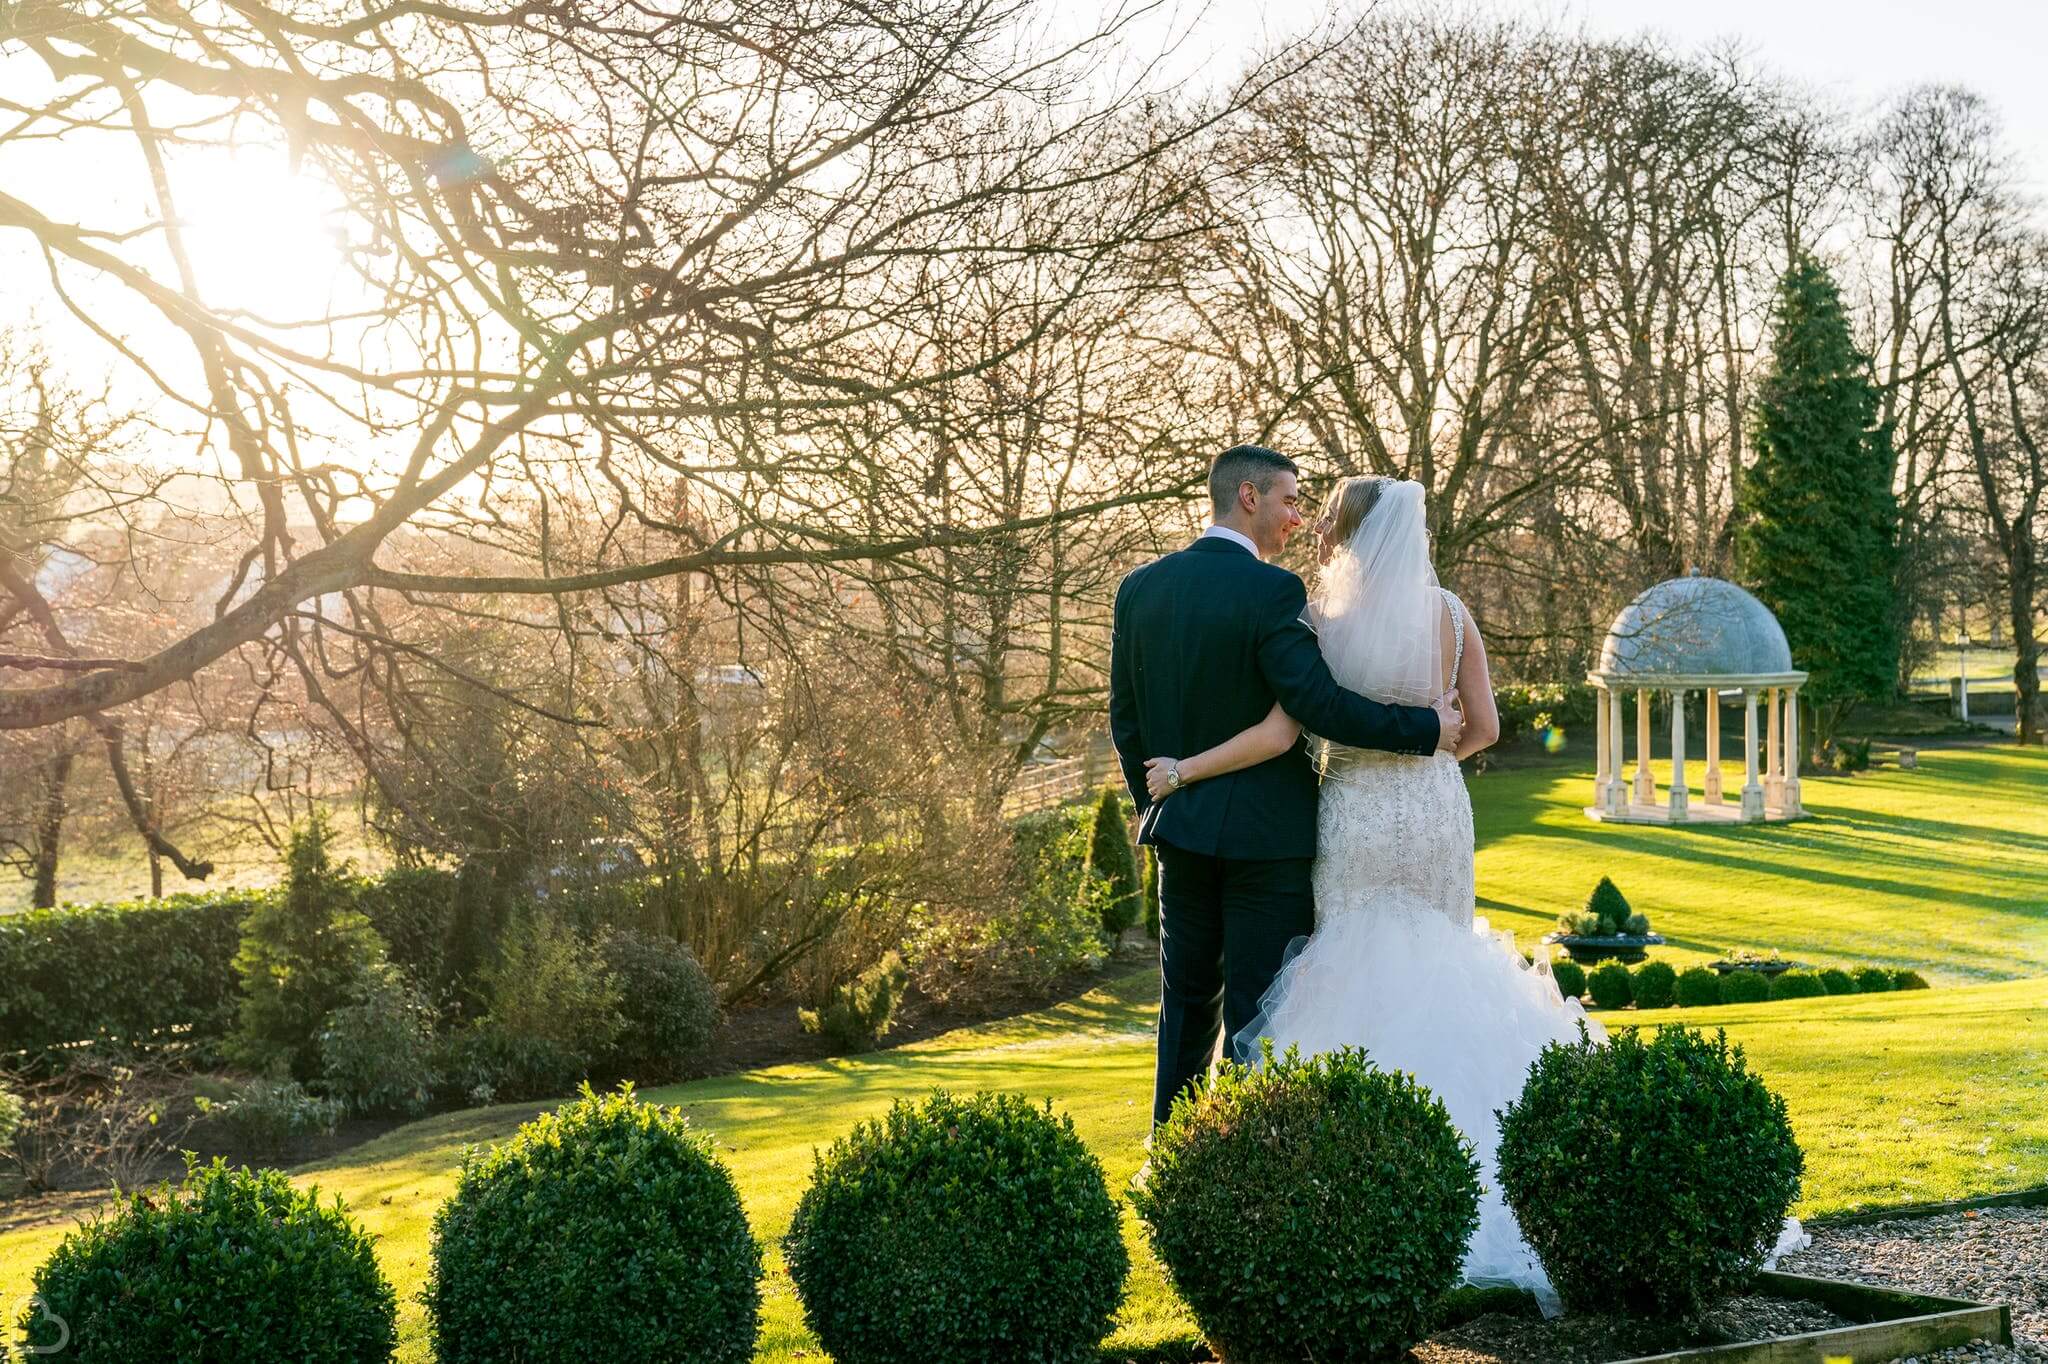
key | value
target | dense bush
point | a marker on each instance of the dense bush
(10, 1119)
(1797, 985)
(1610, 986)
(1570, 978)
(1649, 1175)
(1698, 987)
(1609, 906)
(858, 1014)
(230, 1265)
(132, 973)
(1115, 859)
(481, 1063)
(1745, 987)
(413, 911)
(1151, 894)
(667, 1002)
(1055, 923)
(378, 1052)
(305, 952)
(1836, 981)
(604, 1230)
(548, 986)
(1873, 980)
(272, 1117)
(958, 1231)
(1903, 979)
(1654, 985)
(1310, 1208)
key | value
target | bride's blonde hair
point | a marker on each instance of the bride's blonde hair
(1351, 501)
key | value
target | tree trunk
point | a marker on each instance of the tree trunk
(50, 828)
(2026, 673)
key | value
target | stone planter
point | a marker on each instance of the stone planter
(1591, 951)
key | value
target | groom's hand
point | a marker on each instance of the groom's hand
(1450, 726)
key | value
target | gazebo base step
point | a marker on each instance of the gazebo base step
(1696, 812)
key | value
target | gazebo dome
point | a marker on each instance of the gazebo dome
(1694, 628)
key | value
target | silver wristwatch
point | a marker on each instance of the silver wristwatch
(1173, 776)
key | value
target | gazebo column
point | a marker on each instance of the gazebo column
(1617, 789)
(1789, 786)
(1713, 745)
(1681, 794)
(1752, 794)
(1603, 753)
(1646, 781)
(1774, 775)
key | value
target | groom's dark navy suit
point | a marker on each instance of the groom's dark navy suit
(1204, 642)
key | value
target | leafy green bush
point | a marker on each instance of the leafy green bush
(1115, 859)
(1649, 1175)
(1745, 987)
(604, 1230)
(1836, 981)
(1873, 980)
(273, 1117)
(305, 951)
(1054, 924)
(378, 1053)
(958, 1231)
(548, 986)
(1654, 985)
(413, 911)
(668, 1003)
(131, 973)
(10, 1118)
(229, 1265)
(1903, 979)
(481, 1063)
(1570, 978)
(858, 1014)
(1797, 985)
(1152, 894)
(1698, 987)
(1310, 1208)
(1610, 986)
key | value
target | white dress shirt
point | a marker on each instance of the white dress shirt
(1235, 537)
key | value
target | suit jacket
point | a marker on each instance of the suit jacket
(1204, 642)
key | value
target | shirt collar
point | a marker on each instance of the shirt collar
(1236, 537)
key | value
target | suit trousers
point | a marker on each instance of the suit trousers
(1224, 927)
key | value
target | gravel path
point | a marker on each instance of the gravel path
(1994, 1255)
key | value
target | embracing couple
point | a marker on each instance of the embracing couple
(1294, 759)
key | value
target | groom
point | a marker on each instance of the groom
(1204, 642)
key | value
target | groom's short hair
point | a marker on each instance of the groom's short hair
(1240, 464)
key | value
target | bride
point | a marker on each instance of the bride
(1398, 964)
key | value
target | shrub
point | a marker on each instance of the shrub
(130, 973)
(1903, 979)
(1654, 986)
(1650, 1175)
(858, 1014)
(548, 986)
(604, 1230)
(1310, 1208)
(378, 1052)
(1873, 980)
(229, 1265)
(273, 1117)
(958, 1231)
(1113, 858)
(1152, 894)
(1698, 987)
(1797, 985)
(1609, 986)
(1055, 923)
(481, 1063)
(667, 1002)
(10, 1119)
(1609, 906)
(413, 911)
(1570, 978)
(304, 952)
(1637, 925)
(1836, 981)
(1745, 987)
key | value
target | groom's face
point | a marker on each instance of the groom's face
(1275, 514)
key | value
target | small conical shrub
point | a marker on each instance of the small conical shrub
(1115, 860)
(1610, 906)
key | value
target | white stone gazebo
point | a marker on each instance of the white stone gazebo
(1698, 634)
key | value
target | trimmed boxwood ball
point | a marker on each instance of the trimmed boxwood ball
(1650, 1175)
(604, 1230)
(1745, 987)
(955, 1231)
(1654, 985)
(1609, 986)
(1698, 988)
(1873, 980)
(1798, 985)
(1903, 979)
(1836, 981)
(1310, 1208)
(1570, 978)
(229, 1265)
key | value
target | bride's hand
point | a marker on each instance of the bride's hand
(1155, 777)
